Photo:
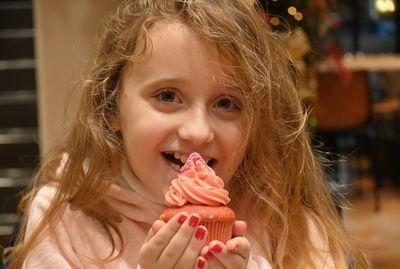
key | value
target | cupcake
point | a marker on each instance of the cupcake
(197, 189)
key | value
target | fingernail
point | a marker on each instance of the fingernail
(209, 256)
(217, 248)
(194, 220)
(233, 248)
(182, 219)
(200, 233)
(201, 263)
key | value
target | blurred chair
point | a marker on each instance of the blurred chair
(386, 118)
(344, 123)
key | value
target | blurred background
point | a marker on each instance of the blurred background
(348, 52)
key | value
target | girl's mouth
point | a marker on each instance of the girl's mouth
(177, 160)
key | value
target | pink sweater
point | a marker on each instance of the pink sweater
(78, 240)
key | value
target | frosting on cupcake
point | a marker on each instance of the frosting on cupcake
(197, 184)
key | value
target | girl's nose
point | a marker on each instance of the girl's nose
(196, 127)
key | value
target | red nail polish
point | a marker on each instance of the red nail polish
(200, 233)
(194, 220)
(209, 256)
(217, 248)
(201, 263)
(182, 219)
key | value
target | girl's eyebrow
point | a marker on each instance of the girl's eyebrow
(162, 81)
(228, 85)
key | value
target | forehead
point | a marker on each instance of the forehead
(175, 46)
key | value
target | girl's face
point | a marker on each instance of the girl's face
(174, 102)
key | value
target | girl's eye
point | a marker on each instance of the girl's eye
(227, 104)
(168, 96)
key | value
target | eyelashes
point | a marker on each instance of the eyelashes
(224, 103)
(168, 96)
(228, 104)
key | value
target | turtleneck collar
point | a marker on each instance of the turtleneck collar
(130, 181)
(130, 197)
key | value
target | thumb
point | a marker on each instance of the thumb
(239, 228)
(157, 225)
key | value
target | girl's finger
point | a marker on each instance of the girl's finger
(193, 249)
(213, 261)
(179, 243)
(206, 253)
(239, 246)
(156, 242)
(239, 228)
(201, 263)
(231, 258)
(157, 225)
(149, 236)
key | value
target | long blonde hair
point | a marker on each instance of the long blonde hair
(280, 177)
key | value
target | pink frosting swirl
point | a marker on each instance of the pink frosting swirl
(197, 184)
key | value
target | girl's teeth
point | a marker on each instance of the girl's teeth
(176, 167)
(183, 158)
(177, 156)
(180, 157)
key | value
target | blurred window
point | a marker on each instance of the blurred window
(369, 27)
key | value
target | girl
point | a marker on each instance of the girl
(173, 77)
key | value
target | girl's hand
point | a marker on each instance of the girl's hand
(176, 244)
(235, 254)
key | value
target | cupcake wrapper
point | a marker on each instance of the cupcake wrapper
(221, 231)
